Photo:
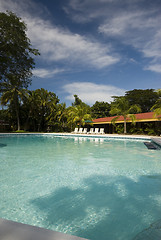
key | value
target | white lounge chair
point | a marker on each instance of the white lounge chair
(102, 131)
(76, 130)
(85, 130)
(80, 130)
(91, 130)
(96, 131)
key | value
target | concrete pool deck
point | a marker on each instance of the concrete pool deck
(10, 230)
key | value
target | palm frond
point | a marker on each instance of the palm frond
(113, 121)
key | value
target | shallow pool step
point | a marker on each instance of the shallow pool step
(157, 140)
(151, 146)
(151, 233)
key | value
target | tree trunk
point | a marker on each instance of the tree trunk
(27, 120)
(17, 112)
(18, 119)
(124, 125)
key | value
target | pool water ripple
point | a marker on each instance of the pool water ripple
(89, 187)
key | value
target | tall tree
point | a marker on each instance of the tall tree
(47, 101)
(30, 111)
(121, 106)
(79, 102)
(15, 50)
(78, 115)
(45, 107)
(100, 109)
(13, 94)
(16, 60)
(144, 98)
(157, 106)
(59, 120)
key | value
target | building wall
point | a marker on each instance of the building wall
(139, 127)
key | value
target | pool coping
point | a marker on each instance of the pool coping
(10, 230)
(157, 140)
(110, 136)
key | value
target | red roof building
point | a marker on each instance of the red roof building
(142, 122)
(140, 117)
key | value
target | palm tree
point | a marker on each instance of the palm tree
(78, 114)
(47, 104)
(61, 116)
(121, 106)
(14, 94)
(157, 106)
(40, 108)
(31, 109)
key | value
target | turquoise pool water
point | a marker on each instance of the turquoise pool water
(89, 187)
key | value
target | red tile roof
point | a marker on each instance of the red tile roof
(139, 117)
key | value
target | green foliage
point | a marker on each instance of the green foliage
(136, 130)
(120, 128)
(121, 106)
(157, 106)
(16, 62)
(152, 128)
(59, 121)
(149, 129)
(77, 101)
(13, 94)
(78, 115)
(100, 109)
(144, 98)
(4, 115)
(15, 50)
(40, 107)
(21, 131)
(4, 120)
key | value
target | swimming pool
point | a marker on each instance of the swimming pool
(95, 188)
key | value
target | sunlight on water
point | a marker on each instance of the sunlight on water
(94, 188)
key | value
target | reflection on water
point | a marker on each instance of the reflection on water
(3, 145)
(91, 139)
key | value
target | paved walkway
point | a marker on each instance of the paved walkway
(10, 230)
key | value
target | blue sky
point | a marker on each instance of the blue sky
(93, 48)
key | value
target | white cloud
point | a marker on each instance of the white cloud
(133, 28)
(139, 30)
(155, 68)
(23, 7)
(91, 92)
(134, 23)
(88, 10)
(129, 22)
(58, 44)
(118, 25)
(46, 73)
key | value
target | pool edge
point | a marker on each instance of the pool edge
(110, 136)
(11, 230)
